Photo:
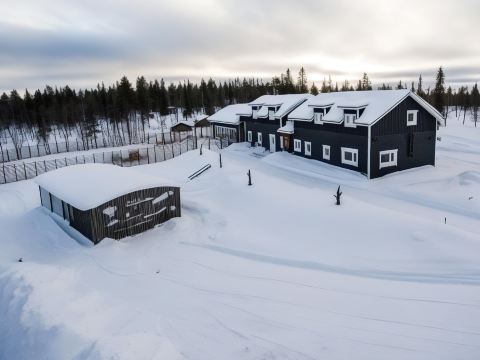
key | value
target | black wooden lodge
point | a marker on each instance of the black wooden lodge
(374, 132)
(100, 200)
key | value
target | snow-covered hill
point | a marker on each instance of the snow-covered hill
(271, 271)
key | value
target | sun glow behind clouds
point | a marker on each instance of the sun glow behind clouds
(81, 43)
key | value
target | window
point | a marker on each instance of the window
(318, 118)
(326, 152)
(297, 145)
(259, 138)
(349, 118)
(308, 148)
(412, 117)
(388, 158)
(222, 132)
(271, 114)
(350, 156)
(411, 138)
(249, 136)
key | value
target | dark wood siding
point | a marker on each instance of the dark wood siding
(415, 144)
(126, 215)
(266, 128)
(336, 136)
(135, 212)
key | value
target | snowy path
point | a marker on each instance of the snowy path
(272, 271)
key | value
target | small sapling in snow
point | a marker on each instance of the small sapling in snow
(337, 196)
(249, 178)
(220, 160)
(201, 149)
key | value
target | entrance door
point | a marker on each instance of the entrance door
(286, 142)
(272, 142)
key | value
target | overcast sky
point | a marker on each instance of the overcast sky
(83, 42)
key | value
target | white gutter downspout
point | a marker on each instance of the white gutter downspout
(369, 150)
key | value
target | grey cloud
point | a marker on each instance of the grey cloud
(91, 41)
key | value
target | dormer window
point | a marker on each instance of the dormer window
(255, 112)
(349, 120)
(318, 117)
(271, 113)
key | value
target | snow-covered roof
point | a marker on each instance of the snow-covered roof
(285, 103)
(376, 103)
(231, 114)
(87, 186)
(287, 129)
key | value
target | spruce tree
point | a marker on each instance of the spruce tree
(475, 103)
(438, 99)
(420, 91)
(302, 81)
(314, 89)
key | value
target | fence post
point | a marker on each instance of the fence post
(155, 153)
(56, 167)
(29, 151)
(83, 159)
(36, 170)
(164, 156)
(66, 162)
(45, 165)
(56, 144)
(15, 169)
(93, 157)
(25, 170)
(103, 157)
(173, 153)
(121, 159)
(4, 176)
(208, 143)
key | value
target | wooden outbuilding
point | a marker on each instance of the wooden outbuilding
(100, 200)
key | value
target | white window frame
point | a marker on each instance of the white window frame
(318, 118)
(414, 121)
(392, 154)
(297, 145)
(307, 145)
(354, 161)
(325, 155)
(259, 139)
(255, 113)
(249, 136)
(271, 114)
(222, 132)
(350, 124)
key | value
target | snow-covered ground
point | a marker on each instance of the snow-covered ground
(271, 271)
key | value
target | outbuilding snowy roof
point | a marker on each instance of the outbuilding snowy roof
(87, 186)
(231, 114)
(376, 103)
(285, 103)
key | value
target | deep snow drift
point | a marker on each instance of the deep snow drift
(271, 271)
